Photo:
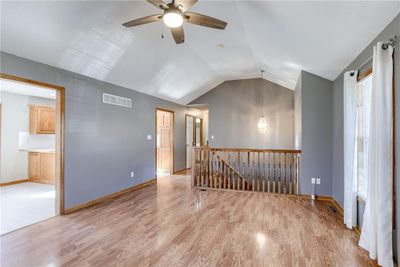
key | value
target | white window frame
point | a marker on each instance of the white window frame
(362, 145)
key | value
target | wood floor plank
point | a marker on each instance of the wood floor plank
(170, 224)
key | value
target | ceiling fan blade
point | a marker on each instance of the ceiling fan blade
(159, 4)
(144, 20)
(178, 34)
(205, 21)
(184, 5)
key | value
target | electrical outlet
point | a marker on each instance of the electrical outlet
(318, 180)
(313, 180)
(132, 174)
(212, 137)
(149, 137)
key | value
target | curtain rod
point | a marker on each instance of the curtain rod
(392, 42)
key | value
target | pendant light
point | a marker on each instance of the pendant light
(262, 122)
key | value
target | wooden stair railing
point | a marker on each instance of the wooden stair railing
(262, 170)
(229, 177)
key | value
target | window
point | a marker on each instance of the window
(362, 132)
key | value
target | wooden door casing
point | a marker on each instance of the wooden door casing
(58, 131)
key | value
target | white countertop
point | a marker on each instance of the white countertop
(42, 150)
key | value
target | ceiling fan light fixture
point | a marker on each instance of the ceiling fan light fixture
(173, 19)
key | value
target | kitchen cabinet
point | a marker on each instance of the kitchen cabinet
(42, 120)
(41, 167)
(34, 165)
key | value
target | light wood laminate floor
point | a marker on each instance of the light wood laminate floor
(170, 224)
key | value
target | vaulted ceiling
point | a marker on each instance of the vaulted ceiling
(281, 38)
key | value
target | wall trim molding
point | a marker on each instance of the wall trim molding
(182, 170)
(329, 199)
(109, 197)
(334, 202)
(14, 182)
(339, 208)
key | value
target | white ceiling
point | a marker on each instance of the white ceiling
(280, 37)
(25, 89)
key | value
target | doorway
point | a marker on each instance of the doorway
(31, 158)
(164, 142)
(194, 136)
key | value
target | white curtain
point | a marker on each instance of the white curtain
(376, 234)
(350, 181)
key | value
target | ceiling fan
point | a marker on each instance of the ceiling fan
(174, 15)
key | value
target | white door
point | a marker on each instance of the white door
(189, 141)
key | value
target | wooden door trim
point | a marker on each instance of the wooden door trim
(173, 137)
(60, 133)
(193, 133)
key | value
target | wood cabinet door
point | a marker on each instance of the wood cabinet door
(47, 167)
(46, 120)
(165, 147)
(166, 141)
(34, 165)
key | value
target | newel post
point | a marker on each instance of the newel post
(193, 166)
(297, 173)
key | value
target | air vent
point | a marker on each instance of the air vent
(117, 100)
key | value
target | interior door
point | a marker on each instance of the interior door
(189, 140)
(164, 142)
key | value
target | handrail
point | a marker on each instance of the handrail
(249, 149)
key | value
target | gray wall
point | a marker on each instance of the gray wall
(316, 136)
(337, 169)
(234, 110)
(103, 143)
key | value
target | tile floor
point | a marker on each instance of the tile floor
(24, 204)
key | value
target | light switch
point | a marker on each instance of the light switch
(212, 136)
(149, 137)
